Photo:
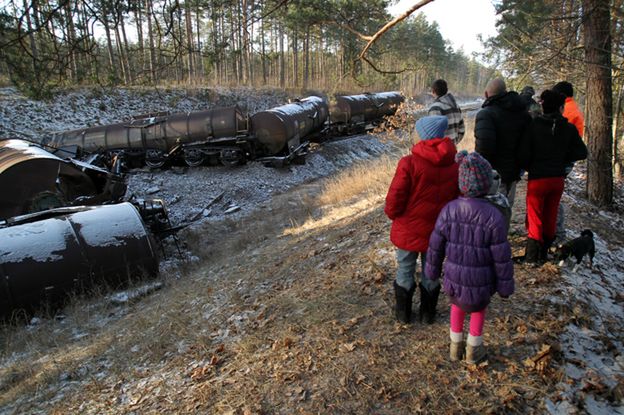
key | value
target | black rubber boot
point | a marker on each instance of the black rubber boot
(403, 306)
(428, 304)
(543, 255)
(532, 253)
(424, 303)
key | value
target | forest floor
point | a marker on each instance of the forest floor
(288, 309)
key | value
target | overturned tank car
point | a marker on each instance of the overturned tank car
(357, 113)
(46, 255)
(33, 179)
(219, 134)
(284, 132)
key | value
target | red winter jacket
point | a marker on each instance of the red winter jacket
(423, 184)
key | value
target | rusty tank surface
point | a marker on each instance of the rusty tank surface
(283, 129)
(33, 179)
(47, 255)
(358, 110)
(191, 136)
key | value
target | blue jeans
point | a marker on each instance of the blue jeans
(407, 269)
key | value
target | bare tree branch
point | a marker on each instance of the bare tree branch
(391, 24)
(372, 39)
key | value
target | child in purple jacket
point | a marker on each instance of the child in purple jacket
(471, 234)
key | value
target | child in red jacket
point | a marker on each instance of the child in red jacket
(424, 182)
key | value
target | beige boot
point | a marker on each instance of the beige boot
(457, 346)
(457, 351)
(475, 350)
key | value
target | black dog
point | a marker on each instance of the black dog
(577, 248)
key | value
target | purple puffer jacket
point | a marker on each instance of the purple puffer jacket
(472, 234)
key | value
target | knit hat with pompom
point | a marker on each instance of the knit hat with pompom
(431, 126)
(475, 174)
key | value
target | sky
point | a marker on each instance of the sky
(460, 21)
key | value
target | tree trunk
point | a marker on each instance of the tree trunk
(282, 63)
(188, 20)
(618, 134)
(122, 24)
(263, 49)
(33, 42)
(138, 21)
(199, 67)
(596, 28)
(150, 36)
(109, 42)
(306, 52)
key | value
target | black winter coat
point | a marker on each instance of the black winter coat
(549, 144)
(499, 127)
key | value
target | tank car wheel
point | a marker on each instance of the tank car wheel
(193, 157)
(155, 159)
(232, 158)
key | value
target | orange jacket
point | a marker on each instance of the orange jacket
(574, 114)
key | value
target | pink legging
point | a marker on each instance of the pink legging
(477, 320)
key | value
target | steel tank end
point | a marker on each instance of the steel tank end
(271, 131)
(44, 257)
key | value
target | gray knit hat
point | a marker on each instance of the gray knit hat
(432, 126)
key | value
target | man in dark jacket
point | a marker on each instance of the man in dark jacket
(499, 127)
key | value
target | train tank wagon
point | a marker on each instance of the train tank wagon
(33, 179)
(357, 113)
(47, 255)
(195, 136)
(282, 130)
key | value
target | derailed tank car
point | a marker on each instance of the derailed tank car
(356, 113)
(33, 179)
(284, 130)
(220, 133)
(276, 136)
(47, 255)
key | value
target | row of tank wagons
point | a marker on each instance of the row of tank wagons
(53, 243)
(226, 135)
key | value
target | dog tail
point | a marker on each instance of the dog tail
(587, 232)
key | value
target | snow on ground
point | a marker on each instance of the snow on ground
(592, 346)
(188, 192)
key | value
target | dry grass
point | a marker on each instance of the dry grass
(363, 180)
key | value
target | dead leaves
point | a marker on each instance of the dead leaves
(200, 372)
(347, 347)
(284, 343)
(541, 360)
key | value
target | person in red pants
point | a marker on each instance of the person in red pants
(548, 146)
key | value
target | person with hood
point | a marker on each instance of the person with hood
(574, 115)
(469, 248)
(571, 110)
(532, 106)
(499, 127)
(424, 182)
(446, 105)
(550, 144)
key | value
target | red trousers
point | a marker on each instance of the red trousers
(542, 204)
